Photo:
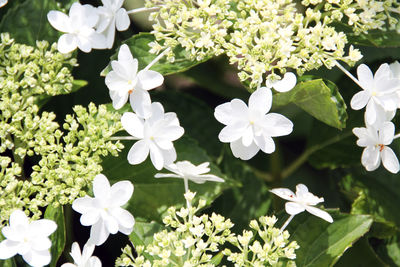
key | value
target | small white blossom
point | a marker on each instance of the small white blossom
(187, 170)
(301, 201)
(250, 129)
(112, 15)
(104, 212)
(78, 27)
(125, 80)
(84, 259)
(378, 90)
(155, 136)
(376, 141)
(285, 84)
(28, 239)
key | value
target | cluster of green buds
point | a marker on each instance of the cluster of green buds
(263, 38)
(267, 247)
(361, 16)
(40, 164)
(201, 27)
(198, 241)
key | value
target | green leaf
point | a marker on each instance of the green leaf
(153, 196)
(27, 22)
(322, 243)
(143, 232)
(376, 194)
(216, 260)
(360, 255)
(139, 46)
(58, 237)
(320, 98)
(375, 38)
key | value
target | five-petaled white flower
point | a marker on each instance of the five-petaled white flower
(84, 259)
(250, 129)
(376, 141)
(112, 15)
(188, 171)
(29, 239)
(155, 136)
(285, 84)
(78, 27)
(301, 201)
(125, 80)
(378, 90)
(104, 212)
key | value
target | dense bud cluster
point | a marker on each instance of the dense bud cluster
(62, 164)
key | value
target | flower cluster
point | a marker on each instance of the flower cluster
(263, 38)
(200, 27)
(380, 97)
(361, 16)
(268, 246)
(63, 163)
(192, 240)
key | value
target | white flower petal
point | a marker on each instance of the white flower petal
(67, 43)
(365, 76)
(59, 21)
(124, 54)
(111, 224)
(284, 193)
(98, 233)
(101, 186)
(286, 84)
(169, 156)
(231, 133)
(389, 160)
(386, 133)
(294, 208)
(90, 217)
(320, 213)
(83, 204)
(261, 100)
(265, 143)
(371, 113)
(223, 113)
(118, 100)
(141, 103)
(37, 258)
(156, 156)
(242, 152)
(124, 218)
(275, 124)
(132, 124)
(247, 136)
(41, 243)
(122, 20)
(43, 227)
(370, 158)
(18, 217)
(121, 192)
(138, 152)
(360, 100)
(149, 79)
(8, 249)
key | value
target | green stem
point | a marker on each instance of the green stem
(309, 151)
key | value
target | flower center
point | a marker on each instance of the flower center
(381, 147)
(374, 93)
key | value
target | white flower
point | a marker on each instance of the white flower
(395, 68)
(287, 83)
(3, 3)
(125, 80)
(84, 259)
(376, 141)
(112, 15)
(155, 136)
(28, 239)
(79, 28)
(104, 212)
(378, 90)
(301, 201)
(188, 171)
(250, 129)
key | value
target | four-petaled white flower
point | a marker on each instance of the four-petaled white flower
(301, 201)
(112, 15)
(188, 171)
(78, 28)
(287, 83)
(29, 239)
(378, 90)
(125, 80)
(376, 141)
(104, 212)
(250, 129)
(155, 135)
(84, 259)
